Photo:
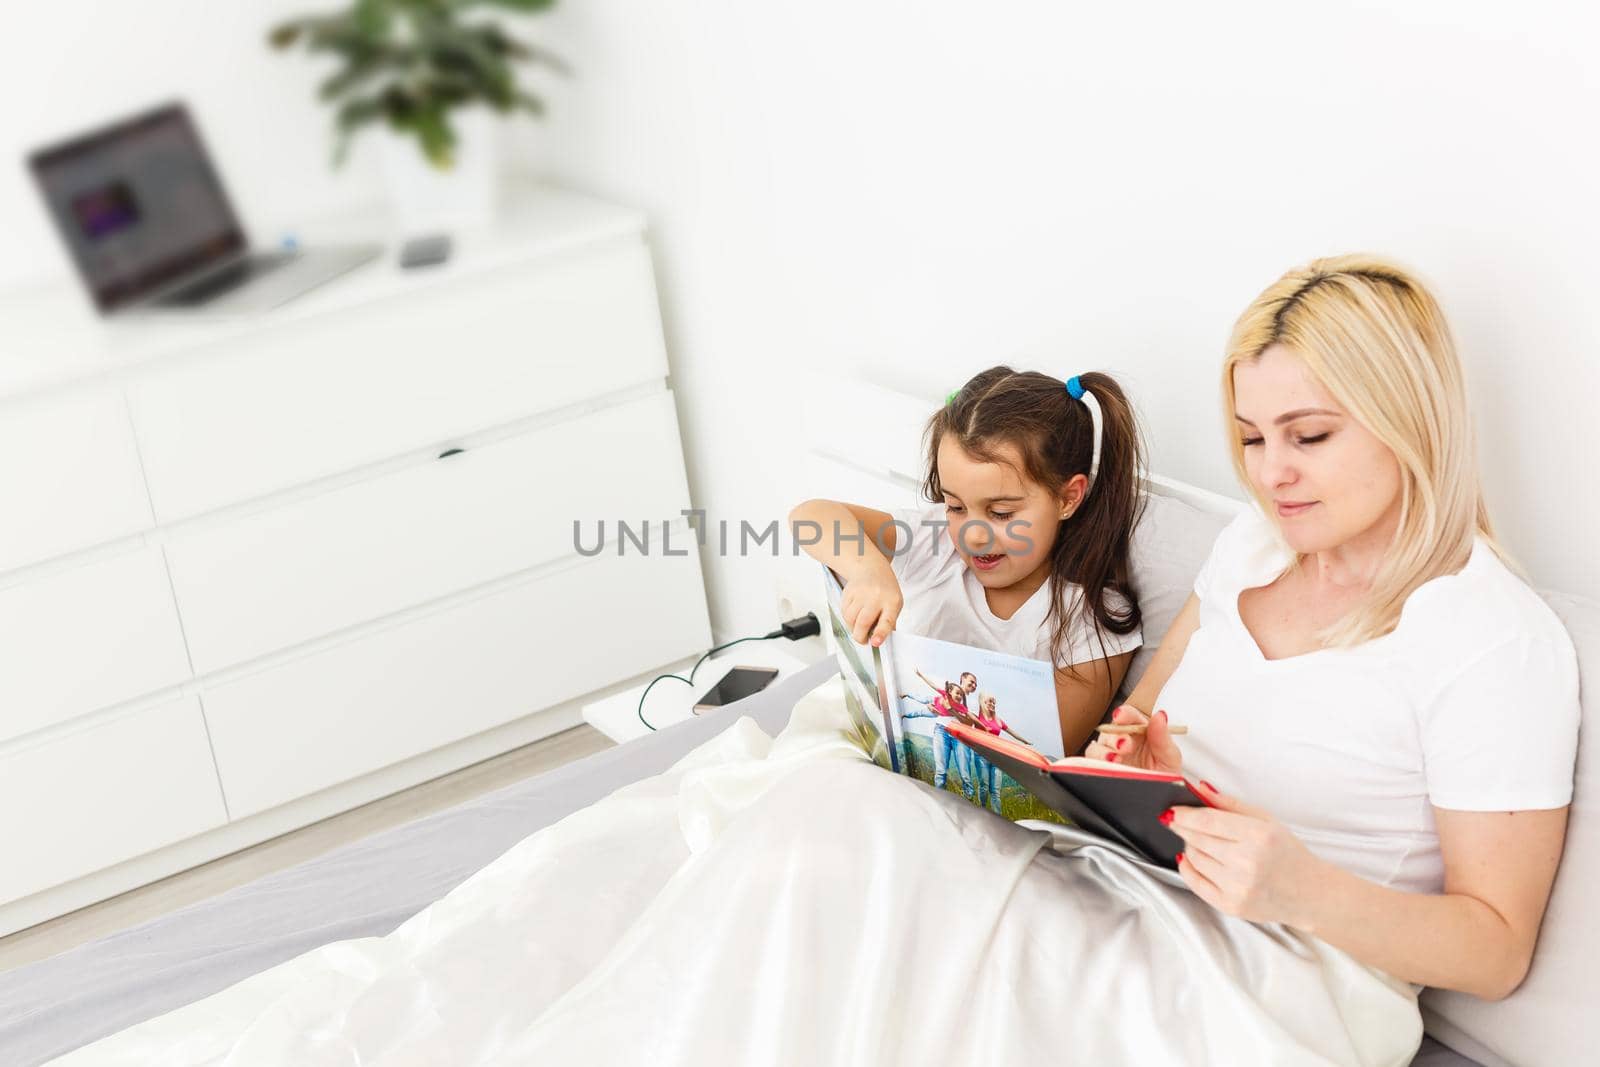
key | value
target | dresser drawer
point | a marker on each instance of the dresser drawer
(355, 708)
(307, 399)
(82, 639)
(92, 799)
(69, 476)
(261, 582)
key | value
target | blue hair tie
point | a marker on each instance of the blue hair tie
(1074, 388)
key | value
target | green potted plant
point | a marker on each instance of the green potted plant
(433, 76)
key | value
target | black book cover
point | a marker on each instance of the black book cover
(1124, 808)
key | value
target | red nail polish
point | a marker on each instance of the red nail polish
(1209, 786)
(1166, 817)
(1162, 715)
(1177, 860)
(1111, 757)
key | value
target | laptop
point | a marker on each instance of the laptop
(150, 228)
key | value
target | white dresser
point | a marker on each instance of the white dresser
(256, 572)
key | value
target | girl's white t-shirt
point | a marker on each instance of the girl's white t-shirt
(945, 600)
(1470, 703)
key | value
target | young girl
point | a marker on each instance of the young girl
(1034, 483)
(949, 704)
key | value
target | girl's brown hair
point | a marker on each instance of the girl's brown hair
(1054, 435)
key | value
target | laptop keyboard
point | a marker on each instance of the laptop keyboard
(223, 281)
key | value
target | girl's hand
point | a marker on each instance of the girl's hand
(871, 604)
(1243, 862)
(1153, 750)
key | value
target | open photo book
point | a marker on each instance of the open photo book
(984, 724)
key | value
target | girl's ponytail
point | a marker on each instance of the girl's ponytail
(1095, 544)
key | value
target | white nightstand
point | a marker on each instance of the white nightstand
(671, 702)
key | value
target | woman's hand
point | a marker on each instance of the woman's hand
(1153, 750)
(871, 604)
(1243, 862)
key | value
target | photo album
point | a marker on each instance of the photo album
(984, 724)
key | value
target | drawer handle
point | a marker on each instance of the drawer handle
(447, 453)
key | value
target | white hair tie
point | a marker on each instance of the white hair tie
(1076, 390)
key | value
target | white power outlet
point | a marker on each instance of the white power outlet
(799, 590)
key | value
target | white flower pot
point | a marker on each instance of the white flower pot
(424, 198)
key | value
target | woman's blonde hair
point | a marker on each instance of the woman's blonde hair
(1376, 339)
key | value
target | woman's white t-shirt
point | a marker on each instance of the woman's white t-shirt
(1470, 703)
(945, 600)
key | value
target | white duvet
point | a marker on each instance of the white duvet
(784, 901)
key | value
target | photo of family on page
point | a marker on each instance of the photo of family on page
(904, 694)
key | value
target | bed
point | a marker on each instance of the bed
(370, 887)
(364, 889)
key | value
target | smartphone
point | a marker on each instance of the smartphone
(737, 684)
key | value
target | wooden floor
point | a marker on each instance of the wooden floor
(169, 894)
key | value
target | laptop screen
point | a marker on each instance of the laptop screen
(138, 204)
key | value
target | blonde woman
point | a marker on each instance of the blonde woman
(988, 775)
(1358, 660)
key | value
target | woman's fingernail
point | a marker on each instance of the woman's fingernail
(1120, 742)
(1162, 715)
(1166, 817)
(1177, 860)
(1111, 757)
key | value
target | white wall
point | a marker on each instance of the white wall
(914, 191)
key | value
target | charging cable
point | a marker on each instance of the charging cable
(805, 626)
